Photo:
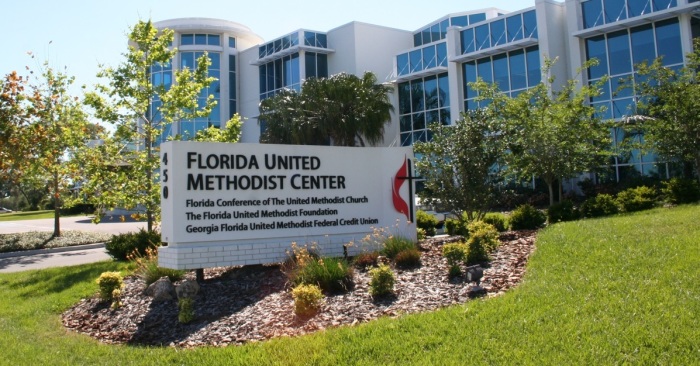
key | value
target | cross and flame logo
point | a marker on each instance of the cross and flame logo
(402, 175)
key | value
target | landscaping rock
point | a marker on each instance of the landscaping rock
(161, 290)
(188, 289)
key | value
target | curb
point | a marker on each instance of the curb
(51, 250)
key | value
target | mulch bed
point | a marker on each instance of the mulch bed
(236, 305)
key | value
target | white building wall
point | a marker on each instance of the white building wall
(249, 94)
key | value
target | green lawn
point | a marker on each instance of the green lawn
(618, 290)
(29, 215)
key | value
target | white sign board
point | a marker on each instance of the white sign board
(235, 204)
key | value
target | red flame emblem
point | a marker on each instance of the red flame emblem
(399, 179)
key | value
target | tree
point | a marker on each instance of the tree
(550, 134)
(48, 127)
(230, 133)
(671, 101)
(124, 167)
(461, 164)
(343, 108)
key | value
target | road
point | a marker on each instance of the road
(60, 257)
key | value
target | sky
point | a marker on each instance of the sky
(82, 35)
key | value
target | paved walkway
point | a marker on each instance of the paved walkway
(60, 257)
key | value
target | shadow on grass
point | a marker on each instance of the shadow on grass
(54, 280)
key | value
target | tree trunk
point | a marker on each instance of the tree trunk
(149, 177)
(56, 208)
(561, 190)
(550, 187)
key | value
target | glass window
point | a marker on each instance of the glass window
(461, 21)
(429, 57)
(231, 42)
(638, 7)
(416, 60)
(442, 54)
(443, 90)
(309, 39)
(614, 10)
(405, 123)
(215, 60)
(619, 55)
(445, 116)
(279, 82)
(310, 64)
(186, 39)
(294, 39)
(484, 71)
(321, 40)
(534, 73)
(278, 45)
(417, 98)
(296, 72)
(622, 86)
(469, 70)
(200, 39)
(402, 64)
(643, 44)
(498, 32)
(467, 37)
(500, 72)
(214, 40)
(270, 76)
(430, 86)
(435, 33)
(432, 117)
(604, 90)
(187, 60)
(592, 13)
(482, 37)
(623, 107)
(406, 139)
(518, 78)
(603, 110)
(530, 22)
(595, 48)
(668, 40)
(515, 28)
(417, 39)
(287, 66)
(443, 28)
(231, 63)
(404, 98)
(285, 42)
(426, 36)
(322, 65)
(262, 71)
(664, 4)
(473, 18)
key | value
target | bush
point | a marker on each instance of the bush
(382, 281)
(307, 299)
(483, 239)
(526, 217)
(426, 222)
(395, 244)
(456, 227)
(408, 258)
(497, 219)
(455, 253)
(108, 282)
(331, 274)
(120, 246)
(420, 234)
(636, 199)
(600, 205)
(562, 211)
(147, 267)
(185, 310)
(366, 259)
(678, 191)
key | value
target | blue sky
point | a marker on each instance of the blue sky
(81, 35)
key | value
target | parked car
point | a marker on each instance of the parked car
(5, 210)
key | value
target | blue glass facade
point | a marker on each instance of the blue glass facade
(189, 128)
(420, 59)
(499, 32)
(423, 102)
(200, 39)
(437, 31)
(599, 12)
(282, 73)
(161, 76)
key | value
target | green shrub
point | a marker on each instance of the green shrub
(120, 246)
(108, 282)
(147, 267)
(420, 234)
(395, 244)
(382, 281)
(600, 205)
(456, 227)
(331, 274)
(678, 191)
(483, 239)
(185, 310)
(426, 222)
(454, 271)
(562, 211)
(366, 259)
(498, 220)
(116, 298)
(636, 199)
(408, 258)
(307, 299)
(527, 217)
(455, 253)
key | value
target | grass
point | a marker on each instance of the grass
(624, 289)
(28, 215)
(43, 239)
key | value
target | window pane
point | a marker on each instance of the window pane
(445, 116)
(515, 28)
(416, 60)
(262, 70)
(484, 71)
(477, 18)
(442, 54)
(443, 28)
(405, 123)
(518, 79)
(530, 22)
(215, 60)
(186, 60)
(467, 36)
(469, 69)
(604, 91)
(232, 85)
(432, 117)
(444, 90)
(418, 121)
(498, 32)
(643, 44)
(615, 10)
(321, 41)
(532, 56)
(231, 42)
(278, 74)
(435, 33)
(186, 39)
(417, 98)
(429, 57)
(431, 92)
(623, 107)
(402, 64)
(621, 86)
(406, 139)
(404, 98)
(619, 53)
(426, 36)
(214, 40)
(462, 21)
(638, 7)
(200, 39)
(482, 38)
(296, 72)
(270, 76)
(309, 39)
(500, 72)
(294, 39)
(417, 39)
(603, 110)
(592, 13)
(595, 48)
(664, 4)
(322, 65)
(310, 61)
(668, 40)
